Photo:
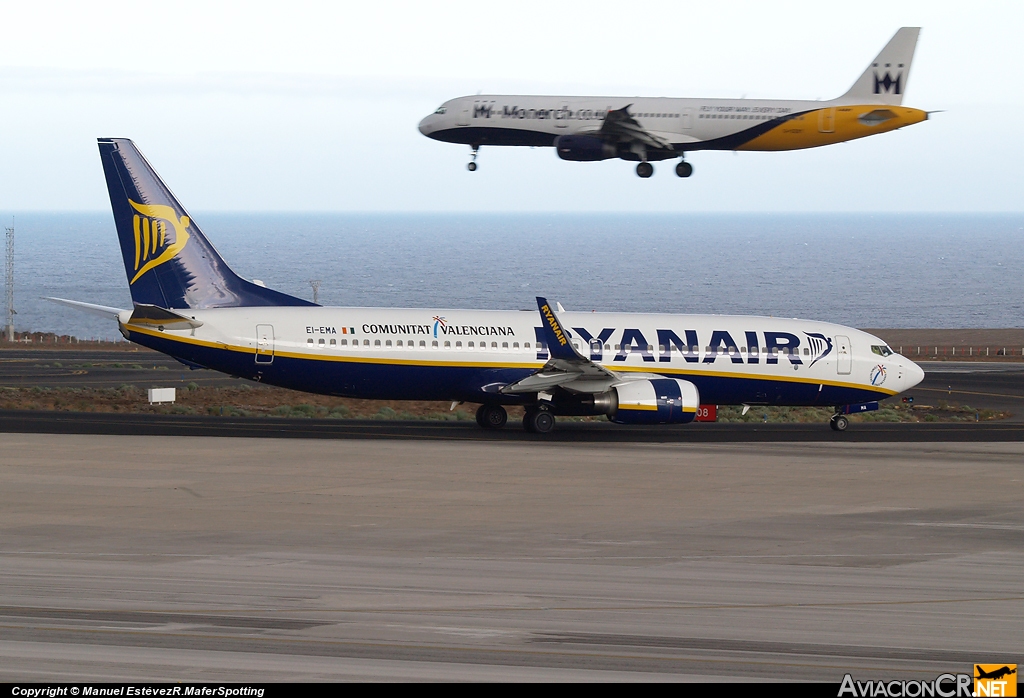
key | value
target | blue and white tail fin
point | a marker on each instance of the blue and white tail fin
(885, 80)
(168, 260)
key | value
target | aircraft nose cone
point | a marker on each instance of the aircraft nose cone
(425, 125)
(912, 374)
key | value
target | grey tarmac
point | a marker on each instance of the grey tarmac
(190, 558)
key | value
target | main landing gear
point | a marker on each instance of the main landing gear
(538, 420)
(646, 169)
(838, 422)
(491, 416)
(472, 159)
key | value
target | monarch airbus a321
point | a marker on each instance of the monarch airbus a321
(634, 368)
(645, 130)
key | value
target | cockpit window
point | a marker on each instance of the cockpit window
(882, 350)
(441, 110)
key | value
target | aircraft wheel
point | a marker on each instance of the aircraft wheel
(491, 416)
(839, 423)
(645, 169)
(471, 167)
(538, 421)
(684, 169)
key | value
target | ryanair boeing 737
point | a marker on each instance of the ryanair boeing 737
(634, 368)
(644, 130)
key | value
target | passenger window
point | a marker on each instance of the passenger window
(344, 342)
(447, 344)
(458, 345)
(366, 342)
(504, 345)
(743, 350)
(376, 342)
(515, 345)
(807, 352)
(423, 344)
(399, 343)
(387, 343)
(526, 345)
(321, 342)
(469, 345)
(608, 346)
(309, 341)
(494, 345)
(434, 344)
(334, 342)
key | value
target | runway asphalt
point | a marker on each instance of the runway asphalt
(49, 422)
(244, 559)
(307, 549)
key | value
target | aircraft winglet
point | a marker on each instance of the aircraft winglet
(557, 338)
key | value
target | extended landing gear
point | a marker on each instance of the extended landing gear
(472, 159)
(644, 169)
(538, 421)
(684, 169)
(491, 416)
(838, 422)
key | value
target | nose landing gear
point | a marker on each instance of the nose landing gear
(838, 422)
(472, 159)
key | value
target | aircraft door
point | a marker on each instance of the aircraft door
(827, 120)
(844, 362)
(264, 344)
(687, 118)
(463, 117)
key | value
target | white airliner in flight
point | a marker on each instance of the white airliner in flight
(645, 129)
(634, 368)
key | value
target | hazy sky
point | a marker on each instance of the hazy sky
(305, 106)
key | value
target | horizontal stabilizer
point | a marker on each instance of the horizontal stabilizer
(102, 310)
(155, 316)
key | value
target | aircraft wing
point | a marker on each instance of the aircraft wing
(567, 367)
(619, 125)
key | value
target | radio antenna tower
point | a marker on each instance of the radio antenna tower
(9, 282)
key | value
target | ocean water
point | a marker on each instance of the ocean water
(859, 270)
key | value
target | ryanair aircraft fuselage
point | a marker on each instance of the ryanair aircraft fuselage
(470, 355)
(633, 368)
(650, 129)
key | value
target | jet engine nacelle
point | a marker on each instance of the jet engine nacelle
(656, 401)
(583, 148)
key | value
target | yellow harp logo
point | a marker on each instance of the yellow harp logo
(151, 236)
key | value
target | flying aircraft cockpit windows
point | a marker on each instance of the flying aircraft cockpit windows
(882, 350)
(441, 110)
